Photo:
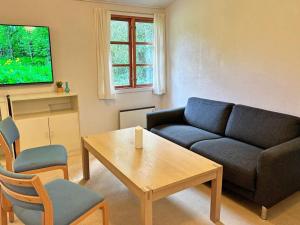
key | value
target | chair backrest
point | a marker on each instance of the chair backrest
(9, 134)
(25, 191)
(9, 131)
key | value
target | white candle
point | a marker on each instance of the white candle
(139, 137)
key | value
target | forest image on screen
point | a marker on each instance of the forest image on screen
(25, 55)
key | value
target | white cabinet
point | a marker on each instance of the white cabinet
(48, 118)
(34, 132)
(3, 108)
(64, 129)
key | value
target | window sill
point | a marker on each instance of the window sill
(133, 90)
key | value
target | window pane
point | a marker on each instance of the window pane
(119, 31)
(144, 32)
(144, 54)
(144, 75)
(120, 54)
(121, 76)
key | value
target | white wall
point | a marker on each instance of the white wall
(74, 56)
(235, 50)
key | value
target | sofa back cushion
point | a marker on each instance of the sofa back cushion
(260, 127)
(208, 115)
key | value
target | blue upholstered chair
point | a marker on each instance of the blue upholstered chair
(59, 202)
(30, 161)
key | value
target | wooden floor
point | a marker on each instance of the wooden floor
(189, 207)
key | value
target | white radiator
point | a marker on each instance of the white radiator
(135, 117)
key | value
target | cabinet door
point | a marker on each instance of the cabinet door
(34, 132)
(64, 130)
(3, 110)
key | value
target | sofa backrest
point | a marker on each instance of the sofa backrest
(208, 115)
(260, 127)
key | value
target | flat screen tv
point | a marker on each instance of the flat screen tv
(25, 55)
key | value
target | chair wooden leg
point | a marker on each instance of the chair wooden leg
(3, 215)
(66, 172)
(43, 218)
(105, 213)
(11, 216)
(7, 208)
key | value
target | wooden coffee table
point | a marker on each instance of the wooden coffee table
(158, 170)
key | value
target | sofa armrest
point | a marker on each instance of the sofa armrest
(278, 173)
(165, 116)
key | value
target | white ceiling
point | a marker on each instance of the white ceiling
(146, 3)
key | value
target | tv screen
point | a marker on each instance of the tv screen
(25, 55)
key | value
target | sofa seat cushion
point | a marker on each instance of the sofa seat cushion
(183, 135)
(208, 115)
(239, 159)
(260, 127)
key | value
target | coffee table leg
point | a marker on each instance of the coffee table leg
(216, 195)
(146, 209)
(85, 163)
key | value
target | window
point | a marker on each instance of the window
(132, 51)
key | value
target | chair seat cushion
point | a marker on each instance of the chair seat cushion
(69, 201)
(41, 157)
(239, 159)
(183, 135)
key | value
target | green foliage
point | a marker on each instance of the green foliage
(144, 54)
(24, 55)
(121, 76)
(144, 32)
(119, 31)
(18, 71)
(59, 84)
(120, 52)
(144, 75)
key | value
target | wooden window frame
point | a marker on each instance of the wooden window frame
(132, 49)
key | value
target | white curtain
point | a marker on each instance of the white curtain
(159, 63)
(106, 89)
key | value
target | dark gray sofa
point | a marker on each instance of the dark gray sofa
(259, 149)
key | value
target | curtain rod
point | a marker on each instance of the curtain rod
(132, 12)
(120, 4)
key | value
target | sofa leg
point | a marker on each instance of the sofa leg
(264, 213)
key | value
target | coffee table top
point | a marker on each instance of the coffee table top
(160, 164)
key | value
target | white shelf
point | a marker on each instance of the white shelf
(43, 114)
(27, 97)
(43, 104)
(47, 118)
